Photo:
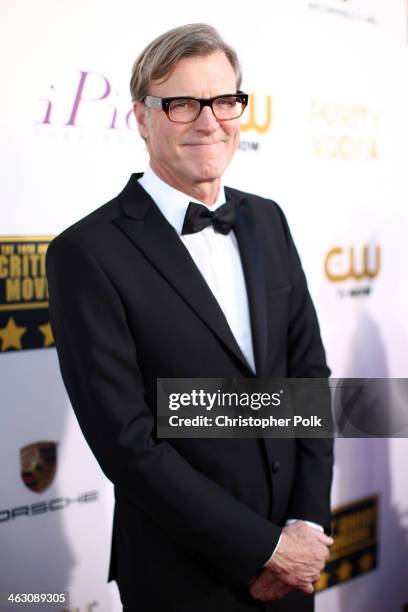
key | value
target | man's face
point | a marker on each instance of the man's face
(187, 155)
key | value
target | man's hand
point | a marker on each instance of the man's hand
(296, 565)
(268, 587)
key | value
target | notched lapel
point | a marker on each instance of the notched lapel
(252, 263)
(148, 229)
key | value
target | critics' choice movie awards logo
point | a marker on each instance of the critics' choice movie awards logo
(90, 101)
(24, 319)
(38, 465)
(353, 269)
(355, 533)
(343, 131)
(356, 10)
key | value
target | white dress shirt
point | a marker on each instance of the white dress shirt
(217, 257)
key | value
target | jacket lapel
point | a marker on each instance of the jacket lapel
(253, 268)
(148, 229)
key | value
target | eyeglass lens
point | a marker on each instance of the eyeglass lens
(228, 107)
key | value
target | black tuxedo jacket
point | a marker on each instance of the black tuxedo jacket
(195, 519)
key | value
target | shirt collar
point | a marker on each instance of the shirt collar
(171, 202)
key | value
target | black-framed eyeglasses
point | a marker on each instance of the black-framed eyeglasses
(185, 109)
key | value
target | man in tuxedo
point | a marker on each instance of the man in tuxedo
(179, 276)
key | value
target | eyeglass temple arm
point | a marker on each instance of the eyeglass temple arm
(153, 102)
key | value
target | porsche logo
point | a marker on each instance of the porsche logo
(38, 464)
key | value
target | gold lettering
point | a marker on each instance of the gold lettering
(346, 147)
(344, 541)
(341, 115)
(15, 266)
(372, 150)
(43, 269)
(13, 290)
(365, 271)
(27, 289)
(374, 272)
(25, 249)
(331, 275)
(358, 518)
(34, 264)
(353, 272)
(252, 123)
(40, 288)
(3, 266)
(25, 261)
(318, 145)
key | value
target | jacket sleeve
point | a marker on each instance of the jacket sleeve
(99, 365)
(310, 497)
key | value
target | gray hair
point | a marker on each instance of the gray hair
(158, 59)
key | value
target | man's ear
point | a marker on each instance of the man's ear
(140, 111)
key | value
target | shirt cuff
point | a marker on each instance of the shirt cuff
(310, 523)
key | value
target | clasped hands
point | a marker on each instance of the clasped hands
(296, 565)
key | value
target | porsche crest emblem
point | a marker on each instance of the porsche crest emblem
(38, 464)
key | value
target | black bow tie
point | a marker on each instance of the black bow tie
(198, 217)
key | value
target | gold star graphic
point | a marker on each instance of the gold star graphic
(344, 571)
(47, 333)
(323, 581)
(11, 335)
(366, 562)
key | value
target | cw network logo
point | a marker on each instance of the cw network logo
(90, 101)
(258, 119)
(353, 269)
(253, 122)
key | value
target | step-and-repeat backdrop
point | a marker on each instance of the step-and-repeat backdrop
(325, 134)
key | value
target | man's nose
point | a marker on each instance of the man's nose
(206, 120)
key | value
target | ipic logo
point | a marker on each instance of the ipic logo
(91, 102)
(92, 91)
(351, 266)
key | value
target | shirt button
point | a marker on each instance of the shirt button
(275, 466)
